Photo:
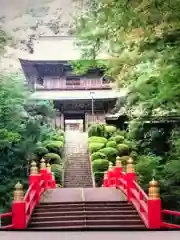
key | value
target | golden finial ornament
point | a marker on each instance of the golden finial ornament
(110, 166)
(19, 192)
(118, 162)
(153, 191)
(33, 169)
(48, 166)
(129, 166)
(42, 164)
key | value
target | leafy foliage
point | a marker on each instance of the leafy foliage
(100, 165)
(95, 139)
(58, 171)
(110, 153)
(53, 158)
(98, 155)
(55, 146)
(21, 130)
(95, 146)
(98, 130)
(111, 144)
(142, 40)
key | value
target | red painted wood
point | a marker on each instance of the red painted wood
(130, 178)
(19, 214)
(148, 209)
(22, 210)
(154, 213)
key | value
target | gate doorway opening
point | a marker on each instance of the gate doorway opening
(74, 122)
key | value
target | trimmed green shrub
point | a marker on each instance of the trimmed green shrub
(111, 144)
(98, 155)
(94, 147)
(97, 140)
(98, 177)
(41, 151)
(60, 132)
(123, 149)
(100, 165)
(98, 130)
(55, 146)
(132, 145)
(110, 130)
(121, 133)
(118, 139)
(58, 138)
(110, 153)
(53, 158)
(57, 170)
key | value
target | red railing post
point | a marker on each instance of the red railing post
(51, 179)
(111, 176)
(35, 178)
(44, 173)
(18, 208)
(130, 178)
(154, 206)
(117, 171)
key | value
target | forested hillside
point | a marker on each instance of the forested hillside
(25, 124)
(24, 20)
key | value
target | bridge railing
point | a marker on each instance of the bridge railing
(23, 205)
(170, 213)
(148, 205)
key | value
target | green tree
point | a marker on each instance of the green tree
(21, 128)
(142, 40)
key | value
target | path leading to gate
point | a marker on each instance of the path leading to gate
(77, 165)
(76, 142)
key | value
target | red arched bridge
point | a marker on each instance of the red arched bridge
(120, 204)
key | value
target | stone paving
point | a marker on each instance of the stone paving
(81, 235)
(77, 165)
(82, 194)
(76, 142)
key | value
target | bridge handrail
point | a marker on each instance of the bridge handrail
(140, 201)
(3, 216)
(148, 205)
(172, 213)
(22, 207)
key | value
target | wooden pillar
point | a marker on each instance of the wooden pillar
(86, 121)
(62, 120)
(58, 119)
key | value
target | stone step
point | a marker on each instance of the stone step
(74, 223)
(91, 227)
(91, 208)
(84, 204)
(84, 217)
(81, 212)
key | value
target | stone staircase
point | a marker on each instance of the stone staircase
(89, 208)
(79, 205)
(77, 167)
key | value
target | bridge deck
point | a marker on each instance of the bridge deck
(82, 194)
